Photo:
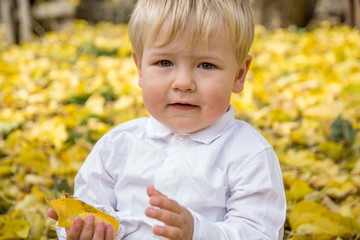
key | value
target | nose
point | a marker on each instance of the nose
(183, 81)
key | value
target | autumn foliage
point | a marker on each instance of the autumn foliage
(60, 94)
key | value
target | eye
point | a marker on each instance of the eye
(206, 66)
(165, 63)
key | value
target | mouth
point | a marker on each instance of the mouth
(183, 106)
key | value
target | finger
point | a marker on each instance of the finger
(160, 200)
(163, 202)
(75, 230)
(99, 232)
(52, 214)
(109, 232)
(165, 216)
(168, 232)
(157, 199)
(151, 191)
(88, 229)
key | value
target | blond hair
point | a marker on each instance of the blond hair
(197, 17)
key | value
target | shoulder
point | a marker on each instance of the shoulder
(120, 134)
(133, 127)
(244, 134)
(118, 140)
(245, 145)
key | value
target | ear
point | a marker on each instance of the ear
(241, 75)
(138, 65)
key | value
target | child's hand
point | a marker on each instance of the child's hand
(178, 221)
(78, 231)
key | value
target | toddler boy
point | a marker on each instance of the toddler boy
(190, 170)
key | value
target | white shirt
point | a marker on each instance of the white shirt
(227, 175)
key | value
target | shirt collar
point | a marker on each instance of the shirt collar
(155, 129)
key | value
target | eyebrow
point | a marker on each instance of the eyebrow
(197, 54)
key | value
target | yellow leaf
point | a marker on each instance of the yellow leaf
(69, 208)
(298, 190)
(333, 150)
(33, 158)
(5, 170)
(310, 218)
(300, 158)
(15, 229)
(340, 189)
(95, 104)
(51, 130)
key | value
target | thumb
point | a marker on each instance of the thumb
(52, 214)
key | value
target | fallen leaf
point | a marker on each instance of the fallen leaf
(310, 218)
(15, 229)
(69, 208)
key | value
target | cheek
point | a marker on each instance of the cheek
(218, 96)
(218, 100)
(152, 96)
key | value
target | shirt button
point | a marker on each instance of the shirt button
(181, 137)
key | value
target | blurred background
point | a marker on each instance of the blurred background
(24, 19)
(67, 77)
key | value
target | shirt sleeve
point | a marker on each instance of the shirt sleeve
(94, 184)
(256, 207)
(61, 233)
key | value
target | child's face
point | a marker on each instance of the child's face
(189, 91)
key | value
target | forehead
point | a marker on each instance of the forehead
(190, 40)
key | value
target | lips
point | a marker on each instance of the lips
(183, 106)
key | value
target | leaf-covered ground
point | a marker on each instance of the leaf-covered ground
(60, 94)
